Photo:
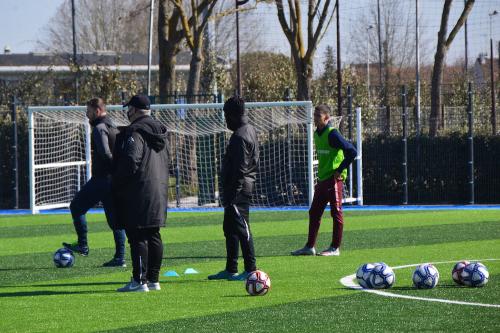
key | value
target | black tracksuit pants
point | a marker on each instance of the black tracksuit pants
(146, 249)
(237, 232)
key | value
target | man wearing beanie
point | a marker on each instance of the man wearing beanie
(239, 170)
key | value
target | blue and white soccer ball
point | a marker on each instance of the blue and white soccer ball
(363, 275)
(63, 258)
(382, 276)
(425, 276)
(475, 274)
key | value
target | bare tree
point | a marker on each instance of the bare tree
(105, 25)
(194, 19)
(318, 19)
(224, 28)
(398, 35)
(443, 45)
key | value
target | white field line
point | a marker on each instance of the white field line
(348, 281)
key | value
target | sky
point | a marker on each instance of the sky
(33, 14)
(36, 14)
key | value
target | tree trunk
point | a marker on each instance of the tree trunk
(437, 71)
(443, 44)
(437, 76)
(193, 85)
(191, 141)
(304, 77)
(167, 70)
(168, 44)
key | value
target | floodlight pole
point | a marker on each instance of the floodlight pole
(466, 47)
(417, 72)
(150, 48)
(339, 65)
(368, 63)
(379, 47)
(492, 77)
(238, 65)
(77, 97)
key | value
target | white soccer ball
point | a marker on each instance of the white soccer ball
(425, 276)
(363, 275)
(63, 258)
(475, 274)
(382, 276)
(456, 272)
(258, 283)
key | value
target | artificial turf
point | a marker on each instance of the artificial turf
(306, 292)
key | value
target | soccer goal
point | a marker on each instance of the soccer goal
(60, 156)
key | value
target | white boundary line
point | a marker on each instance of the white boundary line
(348, 281)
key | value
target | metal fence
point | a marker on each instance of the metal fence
(436, 170)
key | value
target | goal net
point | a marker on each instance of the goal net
(60, 162)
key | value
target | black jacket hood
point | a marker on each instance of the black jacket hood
(104, 119)
(153, 132)
(235, 122)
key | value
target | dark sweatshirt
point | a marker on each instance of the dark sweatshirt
(102, 143)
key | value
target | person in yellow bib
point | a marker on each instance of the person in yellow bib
(334, 154)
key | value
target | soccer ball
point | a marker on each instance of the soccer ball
(63, 258)
(456, 273)
(382, 276)
(425, 276)
(475, 275)
(258, 283)
(363, 275)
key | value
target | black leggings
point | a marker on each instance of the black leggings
(146, 249)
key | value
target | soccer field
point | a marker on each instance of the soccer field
(306, 294)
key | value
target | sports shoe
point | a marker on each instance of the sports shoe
(82, 250)
(305, 251)
(331, 251)
(154, 286)
(115, 262)
(240, 277)
(134, 286)
(223, 275)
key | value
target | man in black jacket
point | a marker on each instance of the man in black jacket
(239, 170)
(139, 188)
(98, 188)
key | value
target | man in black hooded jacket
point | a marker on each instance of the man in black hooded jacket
(139, 188)
(239, 170)
(98, 188)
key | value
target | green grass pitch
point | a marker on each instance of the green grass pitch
(306, 294)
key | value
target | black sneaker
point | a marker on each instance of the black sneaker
(115, 263)
(82, 250)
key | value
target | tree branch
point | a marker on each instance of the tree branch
(185, 24)
(319, 28)
(300, 42)
(284, 25)
(467, 8)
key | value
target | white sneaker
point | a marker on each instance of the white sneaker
(134, 286)
(305, 251)
(331, 251)
(154, 286)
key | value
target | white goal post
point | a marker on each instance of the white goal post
(60, 153)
